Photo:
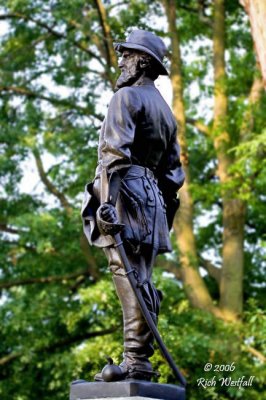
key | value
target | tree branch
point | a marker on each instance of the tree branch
(16, 243)
(108, 42)
(49, 185)
(10, 357)
(87, 253)
(199, 125)
(44, 280)
(254, 97)
(213, 271)
(199, 11)
(29, 93)
(55, 33)
(78, 338)
(255, 353)
(169, 266)
(118, 4)
(5, 228)
(61, 343)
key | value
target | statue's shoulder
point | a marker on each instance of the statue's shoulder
(126, 91)
(127, 95)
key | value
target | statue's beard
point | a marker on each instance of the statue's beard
(128, 77)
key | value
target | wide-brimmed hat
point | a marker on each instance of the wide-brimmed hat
(147, 42)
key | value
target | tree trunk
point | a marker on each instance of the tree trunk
(194, 285)
(256, 10)
(110, 55)
(231, 281)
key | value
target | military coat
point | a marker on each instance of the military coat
(138, 139)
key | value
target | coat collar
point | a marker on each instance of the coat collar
(144, 81)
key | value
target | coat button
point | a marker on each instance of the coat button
(148, 187)
(150, 199)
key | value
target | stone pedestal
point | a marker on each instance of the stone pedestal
(125, 390)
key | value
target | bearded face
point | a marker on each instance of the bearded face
(130, 68)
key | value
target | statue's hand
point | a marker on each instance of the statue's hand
(107, 220)
(108, 213)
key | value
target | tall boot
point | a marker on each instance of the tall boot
(138, 339)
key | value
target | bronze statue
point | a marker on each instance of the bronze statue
(133, 196)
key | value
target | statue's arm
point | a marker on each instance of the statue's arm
(118, 137)
(171, 178)
(120, 129)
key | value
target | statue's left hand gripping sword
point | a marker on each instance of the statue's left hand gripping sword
(114, 229)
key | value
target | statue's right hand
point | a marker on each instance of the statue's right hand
(107, 220)
(108, 213)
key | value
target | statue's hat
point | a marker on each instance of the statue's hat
(147, 42)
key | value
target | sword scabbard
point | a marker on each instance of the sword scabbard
(145, 312)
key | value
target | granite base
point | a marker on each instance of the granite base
(129, 389)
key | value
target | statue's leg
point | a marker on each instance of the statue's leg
(138, 340)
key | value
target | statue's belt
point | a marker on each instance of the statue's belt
(114, 181)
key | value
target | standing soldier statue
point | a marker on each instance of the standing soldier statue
(133, 196)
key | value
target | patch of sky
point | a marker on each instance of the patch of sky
(4, 26)
(207, 217)
(212, 255)
(31, 183)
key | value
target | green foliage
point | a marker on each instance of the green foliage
(196, 338)
(59, 312)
